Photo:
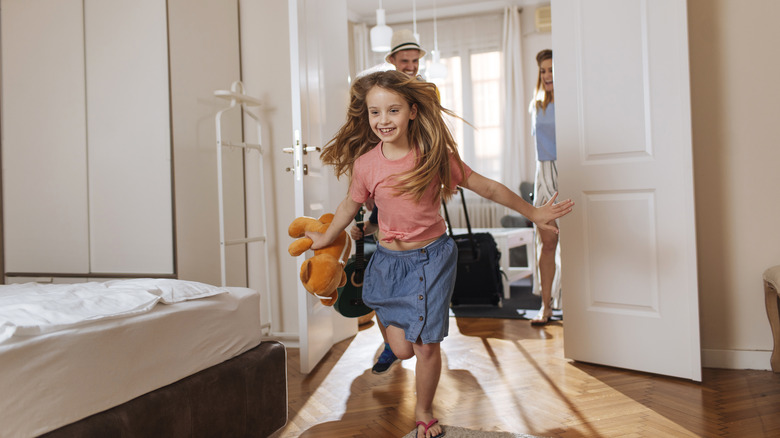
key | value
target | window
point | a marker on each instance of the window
(472, 90)
(451, 93)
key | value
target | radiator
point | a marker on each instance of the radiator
(482, 213)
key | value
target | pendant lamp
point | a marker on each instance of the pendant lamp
(414, 21)
(437, 70)
(381, 34)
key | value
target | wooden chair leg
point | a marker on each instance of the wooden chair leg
(773, 313)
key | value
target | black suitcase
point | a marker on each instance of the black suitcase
(478, 279)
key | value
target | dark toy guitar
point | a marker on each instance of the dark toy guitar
(350, 300)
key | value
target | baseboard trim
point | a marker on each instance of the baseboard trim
(736, 359)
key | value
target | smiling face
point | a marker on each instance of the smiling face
(546, 75)
(406, 61)
(389, 115)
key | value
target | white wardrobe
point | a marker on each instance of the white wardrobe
(86, 146)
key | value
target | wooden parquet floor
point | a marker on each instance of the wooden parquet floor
(505, 375)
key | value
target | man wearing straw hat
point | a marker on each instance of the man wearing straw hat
(405, 52)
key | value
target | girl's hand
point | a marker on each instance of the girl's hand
(341, 219)
(544, 216)
(318, 240)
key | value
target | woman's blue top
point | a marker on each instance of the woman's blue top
(543, 129)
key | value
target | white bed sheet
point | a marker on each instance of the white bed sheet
(56, 378)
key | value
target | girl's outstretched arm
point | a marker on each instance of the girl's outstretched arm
(543, 216)
(346, 210)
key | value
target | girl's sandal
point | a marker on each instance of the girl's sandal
(428, 426)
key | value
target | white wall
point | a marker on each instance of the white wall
(734, 95)
(204, 57)
(265, 68)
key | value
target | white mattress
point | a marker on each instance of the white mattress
(58, 377)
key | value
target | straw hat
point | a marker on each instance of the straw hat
(403, 40)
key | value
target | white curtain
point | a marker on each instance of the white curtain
(360, 48)
(513, 171)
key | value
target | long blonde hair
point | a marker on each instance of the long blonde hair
(428, 132)
(541, 97)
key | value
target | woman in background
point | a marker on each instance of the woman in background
(548, 260)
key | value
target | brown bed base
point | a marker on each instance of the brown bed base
(245, 396)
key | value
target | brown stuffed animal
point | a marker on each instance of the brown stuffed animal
(323, 273)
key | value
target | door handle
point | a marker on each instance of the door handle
(298, 169)
(307, 149)
(305, 169)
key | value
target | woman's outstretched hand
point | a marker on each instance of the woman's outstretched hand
(544, 216)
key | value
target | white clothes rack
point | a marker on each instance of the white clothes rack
(239, 99)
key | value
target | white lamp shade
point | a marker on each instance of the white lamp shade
(437, 70)
(381, 34)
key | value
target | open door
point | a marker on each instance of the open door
(295, 59)
(624, 155)
(318, 112)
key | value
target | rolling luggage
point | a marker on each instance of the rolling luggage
(478, 279)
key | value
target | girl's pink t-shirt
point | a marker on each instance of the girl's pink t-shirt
(400, 216)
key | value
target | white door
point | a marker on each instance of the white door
(294, 58)
(624, 155)
(319, 111)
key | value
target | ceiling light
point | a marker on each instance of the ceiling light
(414, 21)
(381, 34)
(437, 70)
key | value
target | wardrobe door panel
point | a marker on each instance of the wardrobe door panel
(128, 133)
(43, 155)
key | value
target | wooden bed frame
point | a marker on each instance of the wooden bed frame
(245, 396)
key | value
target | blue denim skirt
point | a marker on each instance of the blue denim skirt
(412, 289)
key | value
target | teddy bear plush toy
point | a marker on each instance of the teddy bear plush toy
(323, 273)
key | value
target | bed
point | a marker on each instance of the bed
(139, 357)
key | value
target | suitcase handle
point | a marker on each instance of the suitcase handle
(466, 215)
